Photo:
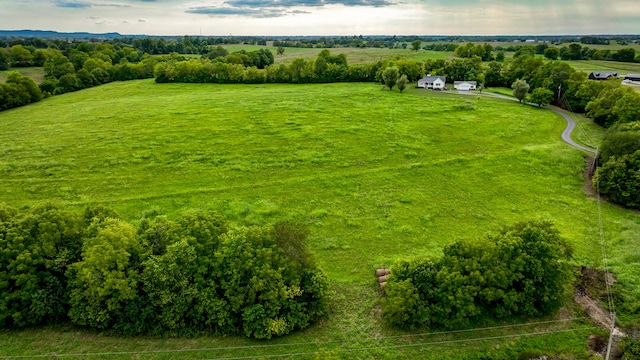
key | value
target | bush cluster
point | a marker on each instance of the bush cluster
(194, 274)
(618, 176)
(520, 271)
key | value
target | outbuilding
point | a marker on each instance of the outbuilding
(632, 77)
(603, 75)
(432, 82)
(465, 85)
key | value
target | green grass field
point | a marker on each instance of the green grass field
(354, 55)
(376, 175)
(622, 68)
(36, 73)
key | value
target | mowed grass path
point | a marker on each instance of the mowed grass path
(377, 175)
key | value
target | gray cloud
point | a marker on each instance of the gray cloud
(257, 13)
(141, 20)
(276, 8)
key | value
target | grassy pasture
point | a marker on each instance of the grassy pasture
(354, 55)
(377, 176)
(36, 73)
(622, 68)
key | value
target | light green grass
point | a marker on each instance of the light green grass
(622, 68)
(377, 176)
(500, 90)
(354, 55)
(36, 73)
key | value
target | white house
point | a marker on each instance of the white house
(465, 85)
(432, 82)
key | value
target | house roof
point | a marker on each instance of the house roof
(603, 74)
(462, 82)
(635, 76)
(433, 78)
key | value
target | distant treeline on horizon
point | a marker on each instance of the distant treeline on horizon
(586, 39)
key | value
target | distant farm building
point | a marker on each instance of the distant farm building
(432, 82)
(603, 75)
(632, 77)
(465, 85)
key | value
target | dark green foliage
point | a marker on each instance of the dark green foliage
(619, 140)
(4, 59)
(37, 247)
(619, 179)
(624, 55)
(541, 96)
(520, 89)
(630, 349)
(614, 104)
(107, 278)
(165, 277)
(402, 82)
(390, 77)
(551, 53)
(520, 271)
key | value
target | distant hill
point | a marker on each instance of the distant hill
(56, 34)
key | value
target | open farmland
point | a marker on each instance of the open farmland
(376, 175)
(36, 73)
(355, 55)
(622, 68)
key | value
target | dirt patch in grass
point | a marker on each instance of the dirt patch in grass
(590, 289)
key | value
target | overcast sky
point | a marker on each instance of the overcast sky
(325, 17)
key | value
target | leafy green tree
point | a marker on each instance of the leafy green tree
(625, 55)
(280, 50)
(541, 96)
(37, 248)
(169, 283)
(613, 104)
(390, 77)
(107, 278)
(522, 270)
(415, 45)
(620, 139)
(4, 59)
(264, 291)
(27, 83)
(551, 53)
(493, 75)
(619, 179)
(524, 67)
(58, 66)
(20, 56)
(574, 52)
(520, 89)
(402, 82)
(500, 56)
(525, 50)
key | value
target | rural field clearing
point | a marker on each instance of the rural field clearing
(376, 175)
(355, 55)
(36, 73)
(622, 68)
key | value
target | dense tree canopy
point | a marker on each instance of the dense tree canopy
(185, 276)
(522, 270)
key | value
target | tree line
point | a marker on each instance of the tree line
(618, 174)
(194, 274)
